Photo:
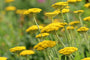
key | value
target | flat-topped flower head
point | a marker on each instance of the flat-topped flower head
(73, 23)
(45, 44)
(17, 49)
(73, 1)
(70, 28)
(3, 58)
(87, 18)
(60, 5)
(42, 35)
(8, 1)
(87, 58)
(65, 10)
(19, 11)
(52, 27)
(27, 52)
(79, 11)
(52, 14)
(68, 50)
(83, 29)
(33, 28)
(10, 8)
(87, 5)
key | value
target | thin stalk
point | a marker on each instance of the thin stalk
(80, 20)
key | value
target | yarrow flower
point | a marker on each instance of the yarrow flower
(79, 11)
(87, 18)
(17, 49)
(20, 11)
(73, 1)
(83, 29)
(27, 52)
(60, 5)
(45, 44)
(73, 23)
(10, 8)
(68, 28)
(42, 35)
(3, 58)
(68, 50)
(65, 10)
(88, 58)
(52, 27)
(33, 28)
(8, 1)
(33, 11)
(87, 5)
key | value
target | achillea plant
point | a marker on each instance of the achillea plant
(3, 58)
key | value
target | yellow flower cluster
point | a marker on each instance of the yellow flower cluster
(33, 28)
(65, 10)
(52, 14)
(88, 58)
(20, 11)
(3, 58)
(73, 1)
(42, 35)
(79, 11)
(70, 28)
(83, 29)
(52, 27)
(45, 44)
(74, 23)
(17, 48)
(87, 18)
(27, 52)
(87, 5)
(68, 50)
(10, 8)
(8, 1)
(60, 5)
(33, 11)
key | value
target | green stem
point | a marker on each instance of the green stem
(80, 20)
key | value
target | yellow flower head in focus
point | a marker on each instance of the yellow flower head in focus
(60, 5)
(68, 50)
(79, 11)
(8, 1)
(3, 58)
(45, 44)
(87, 5)
(10, 8)
(42, 35)
(65, 10)
(74, 23)
(17, 49)
(83, 29)
(33, 28)
(87, 58)
(27, 52)
(87, 18)
(20, 11)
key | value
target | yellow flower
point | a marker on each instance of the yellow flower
(42, 35)
(52, 14)
(33, 28)
(60, 5)
(45, 44)
(83, 29)
(20, 11)
(70, 28)
(65, 10)
(10, 8)
(52, 27)
(27, 52)
(88, 58)
(79, 11)
(17, 48)
(87, 18)
(73, 1)
(3, 58)
(87, 5)
(33, 11)
(74, 23)
(8, 1)
(79, 0)
(68, 50)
